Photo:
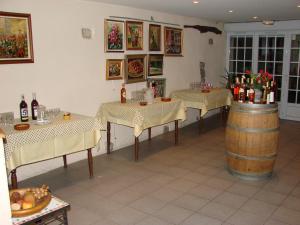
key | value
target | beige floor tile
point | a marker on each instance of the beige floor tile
(148, 204)
(173, 214)
(144, 187)
(232, 200)
(126, 196)
(160, 178)
(292, 203)
(190, 202)
(151, 220)
(104, 221)
(259, 208)
(217, 210)
(205, 191)
(296, 192)
(274, 222)
(243, 189)
(181, 184)
(270, 197)
(288, 216)
(199, 219)
(196, 177)
(126, 216)
(218, 183)
(166, 194)
(209, 170)
(245, 218)
(82, 216)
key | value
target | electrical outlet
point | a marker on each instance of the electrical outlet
(166, 129)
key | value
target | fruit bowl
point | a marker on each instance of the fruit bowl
(24, 202)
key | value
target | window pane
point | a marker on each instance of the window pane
(232, 55)
(233, 41)
(241, 42)
(248, 54)
(261, 66)
(295, 41)
(278, 95)
(279, 55)
(249, 42)
(278, 81)
(292, 97)
(270, 55)
(271, 42)
(248, 66)
(294, 55)
(298, 83)
(240, 54)
(280, 42)
(293, 68)
(232, 66)
(270, 68)
(298, 98)
(262, 54)
(292, 82)
(240, 67)
(278, 68)
(262, 42)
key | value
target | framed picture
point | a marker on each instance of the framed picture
(15, 38)
(173, 41)
(134, 35)
(154, 37)
(155, 64)
(114, 69)
(135, 68)
(114, 35)
(159, 85)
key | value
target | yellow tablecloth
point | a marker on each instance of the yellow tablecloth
(194, 98)
(58, 138)
(141, 117)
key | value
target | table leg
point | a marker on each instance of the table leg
(136, 148)
(14, 180)
(90, 161)
(200, 121)
(65, 217)
(149, 134)
(65, 161)
(176, 132)
(108, 138)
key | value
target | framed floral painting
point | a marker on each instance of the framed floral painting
(155, 64)
(114, 69)
(173, 39)
(15, 38)
(134, 35)
(114, 36)
(154, 37)
(135, 68)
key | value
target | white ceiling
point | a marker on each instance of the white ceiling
(243, 10)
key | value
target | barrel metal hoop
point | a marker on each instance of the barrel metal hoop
(253, 130)
(261, 158)
(269, 111)
(254, 106)
(250, 176)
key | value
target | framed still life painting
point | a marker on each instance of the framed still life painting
(15, 38)
(173, 40)
(134, 35)
(155, 64)
(114, 36)
(114, 69)
(154, 37)
(135, 68)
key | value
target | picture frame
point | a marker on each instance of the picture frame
(134, 35)
(159, 86)
(16, 44)
(135, 68)
(155, 64)
(114, 69)
(154, 37)
(113, 35)
(173, 41)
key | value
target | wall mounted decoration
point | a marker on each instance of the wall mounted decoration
(155, 64)
(114, 35)
(173, 40)
(159, 85)
(134, 35)
(15, 38)
(114, 69)
(135, 68)
(154, 37)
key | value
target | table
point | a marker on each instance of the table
(58, 138)
(56, 211)
(132, 114)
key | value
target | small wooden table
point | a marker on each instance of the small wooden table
(139, 117)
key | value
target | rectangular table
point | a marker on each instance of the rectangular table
(58, 138)
(132, 114)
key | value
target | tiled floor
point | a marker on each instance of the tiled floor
(185, 184)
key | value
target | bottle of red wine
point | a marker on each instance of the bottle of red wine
(23, 110)
(34, 106)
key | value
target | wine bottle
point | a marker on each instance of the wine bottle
(123, 94)
(23, 110)
(34, 107)
(272, 93)
(247, 89)
(242, 91)
(251, 95)
(236, 89)
(268, 93)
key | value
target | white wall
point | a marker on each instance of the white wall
(69, 71)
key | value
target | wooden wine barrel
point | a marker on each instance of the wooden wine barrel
(251, 140)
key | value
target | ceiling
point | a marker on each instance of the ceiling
(243, 10)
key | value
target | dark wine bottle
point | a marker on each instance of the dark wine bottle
(34, 107)
(23, 110)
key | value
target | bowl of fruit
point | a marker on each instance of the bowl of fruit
(27, 201)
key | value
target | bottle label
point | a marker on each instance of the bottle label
(272, 97)
(268, 98)
(35, 111)
(24, 113)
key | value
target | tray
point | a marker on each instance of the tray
(22, 126)
(26, 212)
(163, 99)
